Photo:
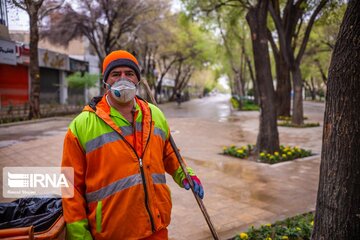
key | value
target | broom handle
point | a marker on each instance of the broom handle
(183, 167)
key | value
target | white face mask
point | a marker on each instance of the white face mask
(123, 91)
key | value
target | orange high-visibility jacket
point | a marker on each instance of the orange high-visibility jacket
(120, 189)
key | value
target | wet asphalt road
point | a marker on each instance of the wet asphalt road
(213, 108)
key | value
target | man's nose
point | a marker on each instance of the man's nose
(122, 74)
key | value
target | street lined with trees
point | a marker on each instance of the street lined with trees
(273, 53)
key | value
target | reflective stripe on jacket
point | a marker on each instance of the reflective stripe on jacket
(120, 185)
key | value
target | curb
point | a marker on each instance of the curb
(4, 125)
(298, 160)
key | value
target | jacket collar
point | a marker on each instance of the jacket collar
(102, 109)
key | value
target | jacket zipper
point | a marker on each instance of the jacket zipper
(146, 196)
(142, 171)
(143, 176)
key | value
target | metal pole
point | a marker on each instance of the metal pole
(183, 167)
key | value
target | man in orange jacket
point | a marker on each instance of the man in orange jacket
(119, 148)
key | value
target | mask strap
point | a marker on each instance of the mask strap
(137, 84)
(108, 86)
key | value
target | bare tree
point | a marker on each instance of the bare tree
(36, 12)
(107, 24)
(165, 62)
(338, 201)
(184, 72)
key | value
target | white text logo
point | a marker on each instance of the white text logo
(38, 181)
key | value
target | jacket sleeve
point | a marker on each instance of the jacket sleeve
(171, 163)
(74, 208)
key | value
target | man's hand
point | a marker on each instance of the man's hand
(198, 188)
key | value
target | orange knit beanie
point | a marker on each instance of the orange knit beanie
(120, 58)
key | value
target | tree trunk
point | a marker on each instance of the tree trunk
(34, 111)
(101, 80)
(288, 32)
(268, 137)
(166, 68)
(241, 74)
(238, 83)
(313, 89)
(338, 201)
(158, 89)
(283, 87)
(298, 112)
(256, 89)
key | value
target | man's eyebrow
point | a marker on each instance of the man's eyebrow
(126, 71)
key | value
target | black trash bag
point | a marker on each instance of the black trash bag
(24, 212)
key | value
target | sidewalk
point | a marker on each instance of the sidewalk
(238, 193)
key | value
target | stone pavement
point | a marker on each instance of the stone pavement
(238, 193)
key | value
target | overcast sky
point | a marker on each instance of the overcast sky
(19, 19)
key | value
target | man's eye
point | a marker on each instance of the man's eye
(130, 74)
(115, 74)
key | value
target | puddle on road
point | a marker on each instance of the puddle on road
(174, 131)
(52, 133)
(230, 119)
(12, 139)
(254, 185)
(7, 143)
(27, 138)
(234, 169)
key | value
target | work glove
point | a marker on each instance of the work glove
(198, 188)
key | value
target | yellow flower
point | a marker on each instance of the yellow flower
(268, 238)
(240, 151)
(289, 153)
(312, 223)
(243, 236)
(276, 153)
(283, 156)
(268, 155)
(298, 229)
(285, 238)
(244, 147)
(224, 148)
(268, 225)
(262, 154)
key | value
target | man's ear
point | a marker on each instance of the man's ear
(105, 85)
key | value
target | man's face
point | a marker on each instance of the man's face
(122, 72)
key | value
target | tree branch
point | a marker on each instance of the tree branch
(272, 43)
(20, 5)
(281, 34)
(50, 9)
(308, 30)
